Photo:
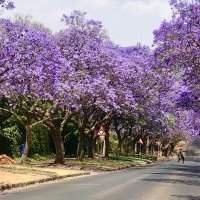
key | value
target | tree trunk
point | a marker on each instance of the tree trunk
(159, 150)
(91, 148)
(28, 143)
(119, 147)
(58, 142)
(140, 148)
(119, 144)
(80, 148)
(107, 143)
(147, 145)
(59, 145)
(125, 147)
(136, 147)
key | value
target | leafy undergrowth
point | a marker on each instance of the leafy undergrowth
(36, 158)
(113, 163)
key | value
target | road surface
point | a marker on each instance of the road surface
(168, 181)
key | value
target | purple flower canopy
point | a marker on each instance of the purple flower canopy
(178, 52)
(80, 68)
(7, 4)
(30, 60)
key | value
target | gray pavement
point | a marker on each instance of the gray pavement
(168, 181)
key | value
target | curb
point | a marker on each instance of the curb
(136, 166)
(16, 185)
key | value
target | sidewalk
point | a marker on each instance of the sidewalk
(13, 176)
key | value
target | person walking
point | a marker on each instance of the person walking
(181, 156)
(21, 149)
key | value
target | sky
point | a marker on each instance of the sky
(126, 21)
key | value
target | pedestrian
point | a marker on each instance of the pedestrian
(181, 156)
(21, 149)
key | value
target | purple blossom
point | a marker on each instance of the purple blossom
(7, 4)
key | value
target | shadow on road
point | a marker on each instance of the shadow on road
(187, 197)
(184, 168)
(174, 181)
(180, 174)
(192, 158)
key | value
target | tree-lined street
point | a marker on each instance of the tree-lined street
(76, 99)
(59, 91)
(170, 180)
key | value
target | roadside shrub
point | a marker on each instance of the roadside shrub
(9, 140)
(41, 142)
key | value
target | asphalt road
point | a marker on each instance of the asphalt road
(168, 181)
